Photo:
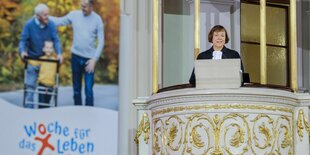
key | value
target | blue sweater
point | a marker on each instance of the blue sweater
(33, 37)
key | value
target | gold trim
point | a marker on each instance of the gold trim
(196, 52)
(219, 106)
(238, 137)
(156, 147)
(300, 126)
(301, 121)
(159, 132)
(266, 132)
(192, 135)
(263, 130)
(197, 28)
(155, 44)
(293, 46)
(217, 132)
(195, 137)
(277, 134)
(287, 138)
(172, 135)
(174, 132)
(263, 47)
(144, 127)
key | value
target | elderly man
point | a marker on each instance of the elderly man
(87, 30)
(36, 31)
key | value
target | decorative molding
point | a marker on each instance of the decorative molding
(303, 99)
(302, 123)
(140, 103)
(241, 95)
(220, 107)
(223, 98)
(144, 127)
(220, 133)
(225, 121)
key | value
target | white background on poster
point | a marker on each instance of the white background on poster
(73, 130)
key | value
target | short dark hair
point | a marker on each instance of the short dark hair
(217, 28)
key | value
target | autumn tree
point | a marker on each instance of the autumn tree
(14, 14)
(10, 66)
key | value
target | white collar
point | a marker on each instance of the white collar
(39, 23)
(217, 55)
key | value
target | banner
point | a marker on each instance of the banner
(68, 130)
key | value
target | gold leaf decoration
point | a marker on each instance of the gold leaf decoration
(216, 119)
(196, 138)
(238, 138)
(156, 147)
(144, 126)
(300, 126)
(146, 130)
(139, 132)
(172, 134)
(223, 134)
(265, 131)
(217, 152)
(301, 121)
(217, 106)
(307, 125)
(175, 128)
(287, 138)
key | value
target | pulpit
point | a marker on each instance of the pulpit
(246, 120)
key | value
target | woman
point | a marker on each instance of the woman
(218, 37)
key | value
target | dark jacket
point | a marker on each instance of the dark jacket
(208, 54)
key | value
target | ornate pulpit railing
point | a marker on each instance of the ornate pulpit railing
(223, 121)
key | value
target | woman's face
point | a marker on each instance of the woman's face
(219, 38)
